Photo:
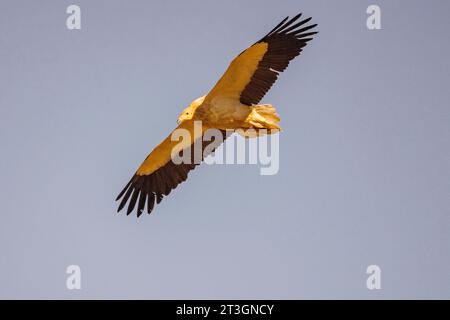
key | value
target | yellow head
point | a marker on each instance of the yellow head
(189, 112)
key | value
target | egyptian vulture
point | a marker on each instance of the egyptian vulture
(233, 103)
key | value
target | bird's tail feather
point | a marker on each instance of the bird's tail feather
(263, 119)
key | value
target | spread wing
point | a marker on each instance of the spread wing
(159, 173)
(252, 73)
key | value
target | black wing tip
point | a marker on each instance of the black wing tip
(139, 211)
(286, 27)
(125, 188)
(149, 190)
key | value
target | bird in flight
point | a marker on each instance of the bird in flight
(232, 104)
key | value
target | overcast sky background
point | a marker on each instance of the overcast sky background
(364, 156)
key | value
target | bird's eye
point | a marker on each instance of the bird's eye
(187, 112)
